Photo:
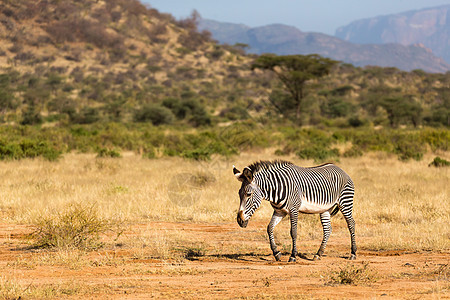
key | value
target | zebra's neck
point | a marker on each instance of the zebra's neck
(274, 185)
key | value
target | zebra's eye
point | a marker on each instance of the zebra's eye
(249, 194)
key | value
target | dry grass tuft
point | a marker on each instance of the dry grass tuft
(78, 226)
(10, 289)
(352, 274)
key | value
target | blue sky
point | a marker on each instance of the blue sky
(307, 15)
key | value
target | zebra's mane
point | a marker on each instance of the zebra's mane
(264, 165)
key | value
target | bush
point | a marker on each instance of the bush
(87, 115)
(149, 152)
(337, 107)
(438, 139)
(154, 113)
(309, 144)
(28, 149)
(353, 152)
(76, 227)
(408, 146)
(104, 152)
(235, 113)
(318, 153)
(355, 121)
(31, 116)
(197, 154)
(439, 162)
(191, 109)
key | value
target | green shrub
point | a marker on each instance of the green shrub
(438, 139)
(318, 153)
(369, 140)
(355, 121)
(309, 144)
(175, 144)
(353, 152)
(235, 113)
(149, 152)
(154, 113)
(408, 146)
(200, 117)
(197, 154)
(31, 116)
(27, 148)
(105, 152)
(87, 115)
(242, 136)
(337, 107)
(10, 151)
(190, 109)
(439, 162)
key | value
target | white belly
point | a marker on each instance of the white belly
(311, 208)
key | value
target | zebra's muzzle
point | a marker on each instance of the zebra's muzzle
(241, 220)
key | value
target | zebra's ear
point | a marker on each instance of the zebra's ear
(237, 173)
(248, 174)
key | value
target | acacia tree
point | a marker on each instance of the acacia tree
(294, 71)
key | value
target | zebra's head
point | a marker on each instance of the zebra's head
(250, 195)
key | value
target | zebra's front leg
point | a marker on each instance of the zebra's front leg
(325, 219)
(276, 218)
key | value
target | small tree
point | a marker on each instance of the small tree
(294, 71)
(401, 110)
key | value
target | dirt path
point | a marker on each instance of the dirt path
(223, 270)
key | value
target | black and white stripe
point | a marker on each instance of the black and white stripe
(291, 190)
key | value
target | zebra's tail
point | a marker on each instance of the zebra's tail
(334, 210)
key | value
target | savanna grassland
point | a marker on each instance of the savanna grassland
(119, 126)
(166, 228)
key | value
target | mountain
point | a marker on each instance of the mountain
(430, 27)
(285, 40)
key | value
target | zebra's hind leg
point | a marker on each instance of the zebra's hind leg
(325, 219)
(276, 218)
(347, 212)
(294, 221)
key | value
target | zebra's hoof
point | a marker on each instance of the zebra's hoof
(292, 259)
(316, 257)
(277, 256)
(352, 257)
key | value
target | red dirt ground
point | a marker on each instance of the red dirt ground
(238, 273)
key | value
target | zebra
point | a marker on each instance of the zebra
(291, 189)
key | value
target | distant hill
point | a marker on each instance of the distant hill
(87, 62)
(284, 40)
(60, 58)
(430, 27)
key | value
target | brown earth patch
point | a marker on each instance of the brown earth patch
(232, 264)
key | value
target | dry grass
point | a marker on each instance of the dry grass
(11, 289)
(398, 205)
(352, 274)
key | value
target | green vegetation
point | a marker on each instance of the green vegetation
(439, 162)
(110, 139)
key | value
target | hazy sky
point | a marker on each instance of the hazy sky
(307, 15)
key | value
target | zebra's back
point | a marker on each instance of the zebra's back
(319, 188)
